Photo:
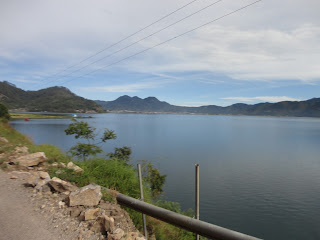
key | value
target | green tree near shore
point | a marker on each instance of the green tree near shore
(4, 113)
(84, 131)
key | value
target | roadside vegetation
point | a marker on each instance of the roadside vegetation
(113, 171)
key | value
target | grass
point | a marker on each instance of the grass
(34, 116)
(15, 138)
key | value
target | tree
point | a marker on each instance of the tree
(84, 131)
(122, 153)
(153, 177)
(4, 112)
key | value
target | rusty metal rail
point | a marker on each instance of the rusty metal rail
(193, 225)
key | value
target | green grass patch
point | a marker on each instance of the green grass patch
(13, 136)
(35, 116)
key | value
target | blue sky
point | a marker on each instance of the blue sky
(268, 52)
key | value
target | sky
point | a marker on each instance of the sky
(266, 52)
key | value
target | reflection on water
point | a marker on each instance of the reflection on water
(258, 175)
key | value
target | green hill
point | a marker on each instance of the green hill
(53, 99)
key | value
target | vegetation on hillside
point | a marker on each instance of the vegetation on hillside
(53, 99)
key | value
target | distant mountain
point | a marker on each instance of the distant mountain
(309, 108)
(53, 99)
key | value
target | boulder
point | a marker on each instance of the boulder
(91, 214)
(33, 179)
(116, 235)
(89, 195)
(61, 186)
(30, 160)
(108, 224)
(74, 167)
(3, 140)
(44, 175)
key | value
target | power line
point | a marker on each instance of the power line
(134, 43)
(127, 37)
(168, 40)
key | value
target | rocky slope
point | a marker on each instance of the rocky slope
(68, 212)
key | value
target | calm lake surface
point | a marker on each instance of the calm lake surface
(258, 175)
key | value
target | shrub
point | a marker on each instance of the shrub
(4, 112)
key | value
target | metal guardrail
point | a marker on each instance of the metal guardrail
(193, 225)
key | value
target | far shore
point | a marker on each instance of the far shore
(35, 116)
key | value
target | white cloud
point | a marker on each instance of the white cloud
(124, 88)
(24, 81)
(255, 55)
(263, 99)
(271, 40)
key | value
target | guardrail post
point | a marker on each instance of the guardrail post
(197, 195)
(142, 199)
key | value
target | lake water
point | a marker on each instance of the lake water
(258, 175)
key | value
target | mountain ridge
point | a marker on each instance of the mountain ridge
(52, 99)
(307, 108)
(61, 99)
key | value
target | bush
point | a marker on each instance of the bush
(4, 112)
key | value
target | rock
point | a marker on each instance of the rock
(13, 177)
(98, 226)
(108, 224)
(30, 160)
(75, 212)
(77, 169)
(133, 236)
(44, 175)
(116, 235)
(62, 165)
(40, 184)
(21, 150)
(45, 188)
(91, 214)
(74, 167)
(89, 195)
(54, 164)
(61, 204)
(61, 186)
(33, 179)
(3, 139)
